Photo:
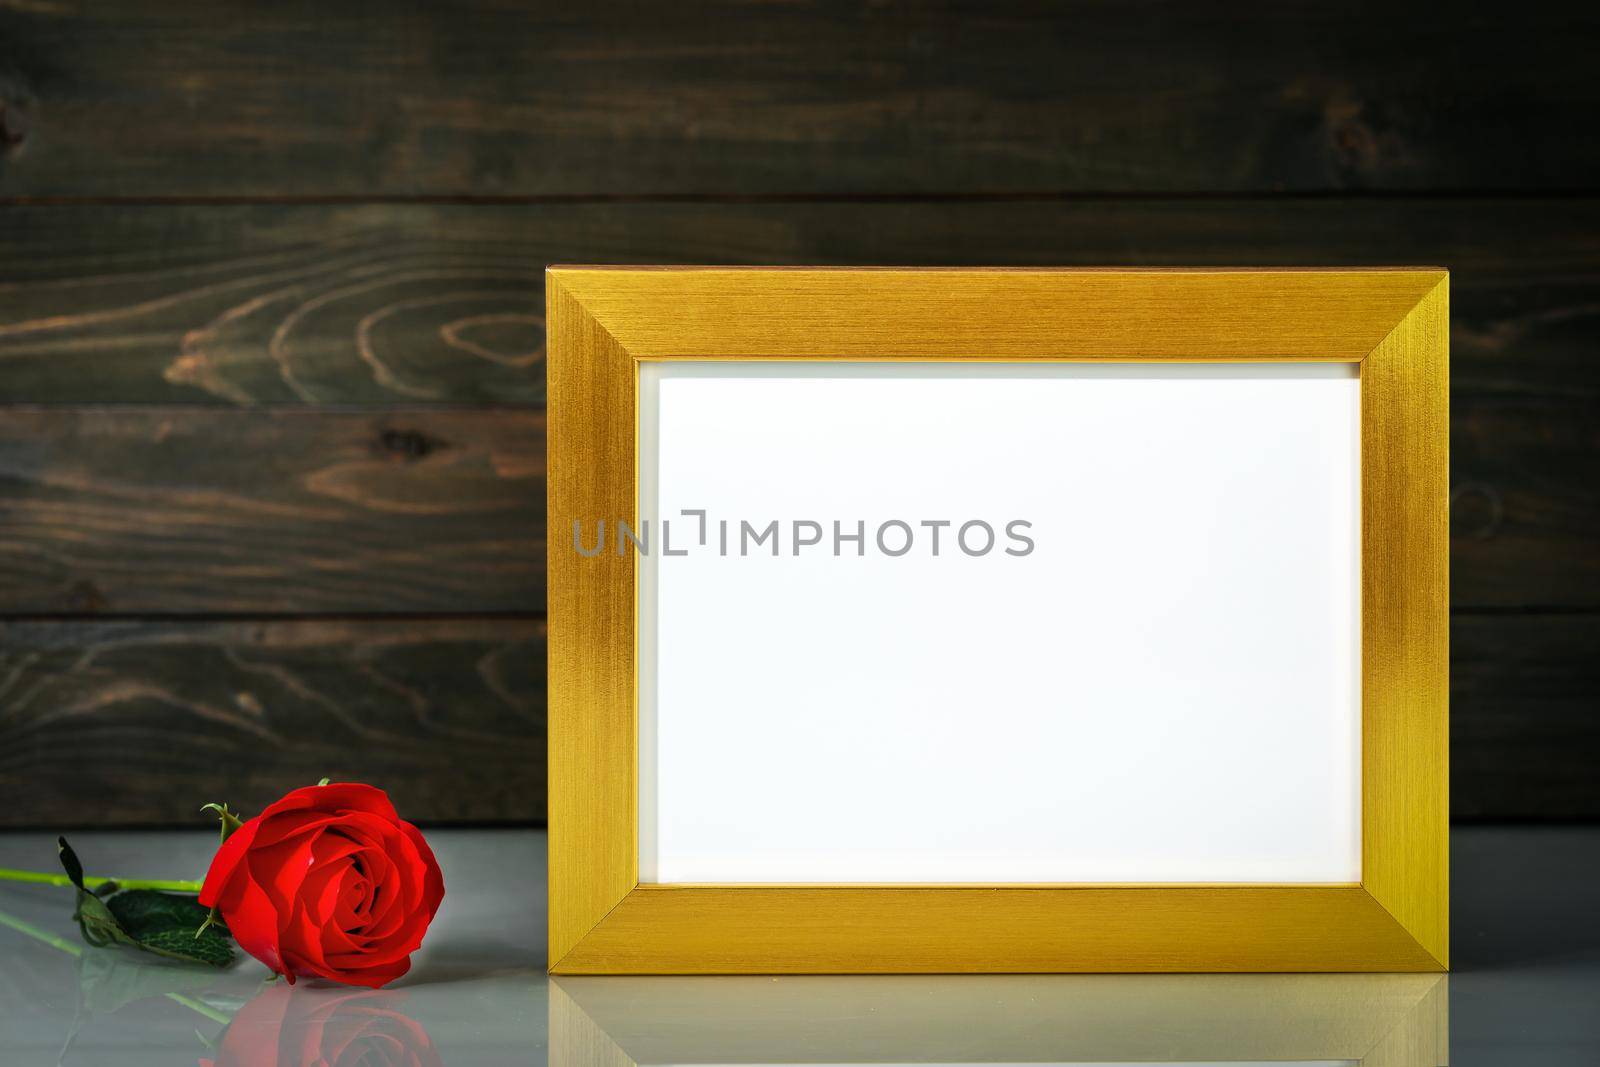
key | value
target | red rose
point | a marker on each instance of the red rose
(328, 882)
(283, 1027)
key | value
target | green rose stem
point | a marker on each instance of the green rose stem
(75, 950)
(41, 878)
(230, 823)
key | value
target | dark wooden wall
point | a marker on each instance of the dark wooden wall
(271, 325)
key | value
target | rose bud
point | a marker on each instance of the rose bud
(329, 883)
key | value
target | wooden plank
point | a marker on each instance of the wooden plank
(1524, 732)
(133, 723)
(723, 97)
(193, 510)
(139, 722)
(420, 304)
(1525, 501)
(270, 305)
(204, 305)
(424, 306)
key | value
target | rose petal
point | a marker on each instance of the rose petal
(385, 899)
(357, 824)
(335, 942)
(306, 936)
(330, 865)
(374, 977)
(253, 921)
(286, 824)
(226, 861)
(334, 844)
(406, 862)
(336, 797)
(403, 940)
(433, 879)
(280, 870)
(354, 900)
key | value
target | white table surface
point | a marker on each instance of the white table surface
(1526, 987)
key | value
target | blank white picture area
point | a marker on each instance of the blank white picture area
(1147, 670)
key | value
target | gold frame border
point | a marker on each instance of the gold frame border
(1394, 322)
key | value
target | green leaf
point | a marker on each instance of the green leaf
(183, 945)
(171, 924)
(99, 925)
(140, 910)
(168, 924)
(69, 860)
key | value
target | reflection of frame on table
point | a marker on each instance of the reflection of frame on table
(1392, 322)
(1379, 1020)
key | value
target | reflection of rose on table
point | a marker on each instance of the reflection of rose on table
(301, 1027)
(282, 1025)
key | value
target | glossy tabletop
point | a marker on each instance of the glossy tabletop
(1525, 990)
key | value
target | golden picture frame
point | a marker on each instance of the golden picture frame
(604, 322)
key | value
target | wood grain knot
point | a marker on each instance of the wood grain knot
(1356, 144)
(1360, 137)
(1476, 511)
(408, 445)
(15, 122)
(86, 597)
